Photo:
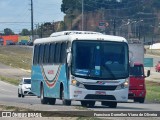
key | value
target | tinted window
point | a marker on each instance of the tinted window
(63, 52)
(137, 70)
(103, 60)
(46, 53)
(57, 53)
(27, 81)
(36, 54)
(51, 53)
(41, 56)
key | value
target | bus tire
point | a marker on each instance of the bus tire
(65, 102)
(112, 104)
(44, 100)
(109, 104)
(52, 101)
(88, 103)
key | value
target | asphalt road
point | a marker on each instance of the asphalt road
(10, 72)
(8, 96)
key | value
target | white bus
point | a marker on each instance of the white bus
(82, 66)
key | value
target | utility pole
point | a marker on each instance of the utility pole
(32, 19)
(82, 13)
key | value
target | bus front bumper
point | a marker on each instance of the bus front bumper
(98, 95)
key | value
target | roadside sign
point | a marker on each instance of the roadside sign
(102, 25)
(148, 62)
(107, 24)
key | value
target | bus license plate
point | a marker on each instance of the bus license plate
(100, 93)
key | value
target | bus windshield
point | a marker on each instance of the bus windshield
(107, 60)
(137, 70)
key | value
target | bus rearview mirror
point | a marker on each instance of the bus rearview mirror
(69, 58)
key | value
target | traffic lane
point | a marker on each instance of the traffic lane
(7, 89)
(32, 102)
(11, 72)
(9, 93)
(9, 96)
(131, 106)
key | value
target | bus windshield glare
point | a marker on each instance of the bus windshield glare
(107, 60)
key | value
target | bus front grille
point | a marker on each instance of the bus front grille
(100, 97)
(99, 87)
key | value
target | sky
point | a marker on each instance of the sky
(16, 14)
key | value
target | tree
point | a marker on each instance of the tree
(68, 6)
(25, 32)
(62, 26)
(45, 30)
(8, 31)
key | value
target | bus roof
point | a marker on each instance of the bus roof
(78, 35)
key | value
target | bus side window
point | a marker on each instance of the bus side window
(51, 53)
(46, 53)
(63, 52)
(36, 55)
(57, 55)
(41, 54)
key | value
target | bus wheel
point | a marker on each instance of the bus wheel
(44, 100)
(88, 103)
(65, 102)
(109, 103)
(52, 101)
(113, 104)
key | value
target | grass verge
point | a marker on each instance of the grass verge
(13, 108)
(9, 80)
(15, 56)
(153, 92)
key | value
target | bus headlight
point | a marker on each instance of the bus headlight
(123, 85)
(77, 84)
